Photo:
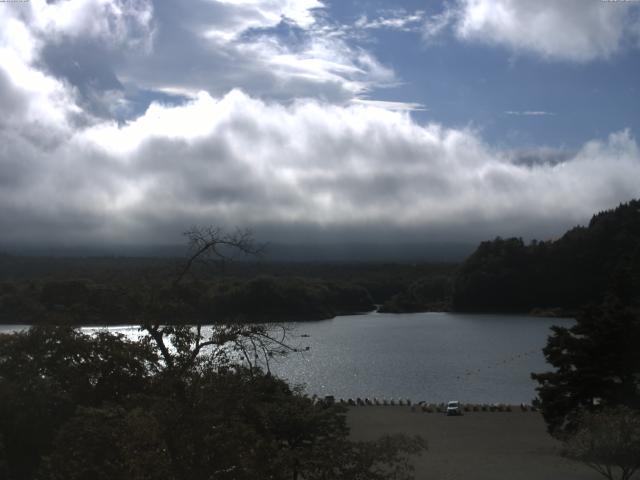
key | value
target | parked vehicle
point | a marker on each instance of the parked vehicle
(454, 407)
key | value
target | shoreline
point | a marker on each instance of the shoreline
(428, 407)
(287, 319)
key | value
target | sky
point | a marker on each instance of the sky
(129, 121)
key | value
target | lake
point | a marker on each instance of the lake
(421, 356)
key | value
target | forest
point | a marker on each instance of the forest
(552, 278)
(557, 277)
(110, 290)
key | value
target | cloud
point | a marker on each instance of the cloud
(540, 156)
(118, 23)
(309, 168)
(238, 16)
(393, 19)
(105, 52)
(30, 98)
(570, 30)
(60, 54)
(530, 113)
(299, 149)
(278, 49)
(397, 106)
(436, 24)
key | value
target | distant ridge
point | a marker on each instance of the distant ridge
(280, 252)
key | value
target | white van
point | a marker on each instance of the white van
(454, 407)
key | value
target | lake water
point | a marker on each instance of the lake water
(422, 356)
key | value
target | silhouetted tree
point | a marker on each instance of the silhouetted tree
(596, 364)
(76, 406)
(47, 372)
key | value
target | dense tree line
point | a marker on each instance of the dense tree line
(432, 293)
(549, 278)
(263, 298)
(115, 290)
(273, 298)
(581, 267)
(381, 279)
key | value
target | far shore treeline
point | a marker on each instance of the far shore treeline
(553, 278)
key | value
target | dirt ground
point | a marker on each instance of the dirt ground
(476, 446)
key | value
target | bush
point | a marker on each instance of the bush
(607, 441)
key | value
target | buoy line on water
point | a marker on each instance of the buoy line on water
(500, 363)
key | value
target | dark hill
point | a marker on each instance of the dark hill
(582, 267)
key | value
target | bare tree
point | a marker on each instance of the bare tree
(608, 441)
(208, 245)
(180, 345)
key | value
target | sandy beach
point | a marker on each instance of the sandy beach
(476, 446)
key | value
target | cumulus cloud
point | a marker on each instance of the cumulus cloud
(306, 167)
(569, 30)
(30, 98)
(59, 54)
(120, 23)
(299, 149)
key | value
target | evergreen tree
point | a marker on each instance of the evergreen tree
(597, 364)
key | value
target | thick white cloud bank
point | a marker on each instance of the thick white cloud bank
(310, 166)
(298, 152)
(566, 30)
